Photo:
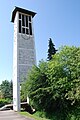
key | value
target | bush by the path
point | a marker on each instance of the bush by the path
(4, 102)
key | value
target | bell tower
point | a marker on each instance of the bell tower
(24, 55)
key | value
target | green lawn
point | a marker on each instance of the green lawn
(35, 117)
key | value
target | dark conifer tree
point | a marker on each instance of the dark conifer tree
(51, 49)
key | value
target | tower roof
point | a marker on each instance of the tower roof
(22, 11)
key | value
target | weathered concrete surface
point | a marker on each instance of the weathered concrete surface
(11, 115)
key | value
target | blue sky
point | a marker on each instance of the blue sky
(56, 19)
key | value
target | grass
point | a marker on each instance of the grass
(72, 114)
(34, 116)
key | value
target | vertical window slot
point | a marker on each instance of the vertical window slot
(19, 16)
(23, 30)
(19, 26)
(26, 21)
(30, 18)
(23, 20)
(30, 28)
(27, 31)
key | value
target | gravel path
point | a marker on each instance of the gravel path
(11, 115)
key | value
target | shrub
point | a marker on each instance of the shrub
(4, 102)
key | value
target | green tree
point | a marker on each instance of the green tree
(51, 49)
(11, 89)
(6, 89)
(65, 73)
(36, 84)
(54, 86)
(64, 77)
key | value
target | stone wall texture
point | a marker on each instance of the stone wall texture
(26, 55)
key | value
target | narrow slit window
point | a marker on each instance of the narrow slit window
(23, 30)
(26, 21)
(19, 26)
(19, 16)
(30, 28)
(23, 20)
(27, 31)
(30, 18)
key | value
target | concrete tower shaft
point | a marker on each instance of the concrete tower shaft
(24, 55)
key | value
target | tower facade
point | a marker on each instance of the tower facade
(24, 56)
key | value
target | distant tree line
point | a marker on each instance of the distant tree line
(6, 89)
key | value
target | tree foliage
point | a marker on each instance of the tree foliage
(36, 78)
(7, 89)
(51, 49)
(64, 73)
(4, 102)
(54, 86)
